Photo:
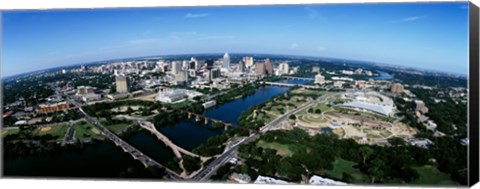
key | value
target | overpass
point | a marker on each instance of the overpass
(299, 78)
(199, 117)
(292, 85)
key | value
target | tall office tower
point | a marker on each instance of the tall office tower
(226, 61)
(195, 62)
(122, 83)
(260, 68)
(319, 79)
(241, 66)
(216, 73)
(316, 69)
(248, 61)
(283, 68)
(397, 88)
(209, 63)
(268, 67)
(176, 67)
(192, 65)
(185, 65)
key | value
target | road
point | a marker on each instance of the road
(137, 154)
(214, 165)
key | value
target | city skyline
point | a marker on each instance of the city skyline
(414, 35)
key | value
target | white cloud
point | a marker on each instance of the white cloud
(294, 46)
(53, 53)
(143, 41)
(191, 15)
(216, 37)
(408, 19)
(320, 49)
(314, 14)
(181, 35)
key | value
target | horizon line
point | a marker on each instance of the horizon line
(252, 54)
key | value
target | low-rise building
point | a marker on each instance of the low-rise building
(269, 180)
(209, 104)
(48, 108)
(240, 178)
(318, 180)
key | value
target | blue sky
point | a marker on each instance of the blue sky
(424, 35)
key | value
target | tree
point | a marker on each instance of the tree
(375, 169)
(293, 117)
(318, 111)
(365, 151)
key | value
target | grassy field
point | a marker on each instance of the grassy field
(432, 176)
(86, 130)
(117, 128)
(282, 149)
(341, 166)
(10, 131)
(56, 130)
(181, 104)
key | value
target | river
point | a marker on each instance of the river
(107, 160)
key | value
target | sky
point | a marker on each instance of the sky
(423, 35)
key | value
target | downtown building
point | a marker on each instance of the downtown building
(122, 83)
(226, 61)
(264, 68)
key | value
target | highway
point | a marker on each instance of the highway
(137, 154)
(214, 165)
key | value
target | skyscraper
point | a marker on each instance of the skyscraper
(283, 68)
(226, 61)
(268, 67)
(176, 67)
(260, 68)
(122, 83)
(241, 66)
(209, 63)
(248, 61)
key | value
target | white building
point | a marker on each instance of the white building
(226, 61)
(283, 68)
(317, 180)
(319, 79)
(248, 61)
(347, 72)
(371, 101)
(176, 67)
(168, 95)
(268, 180)
(209, 104)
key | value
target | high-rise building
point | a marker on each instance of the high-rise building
(397, 88)
(195, 62)
(241, 66)
(226, 61)
(209, 63)
(122, 83)
(268, 67)
(283, 68)
(316, 69)
(319, 79)
(216, 73)
(248, 61)
(260, 68)
(176, 67)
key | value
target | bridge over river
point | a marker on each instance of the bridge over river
(177, 150)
